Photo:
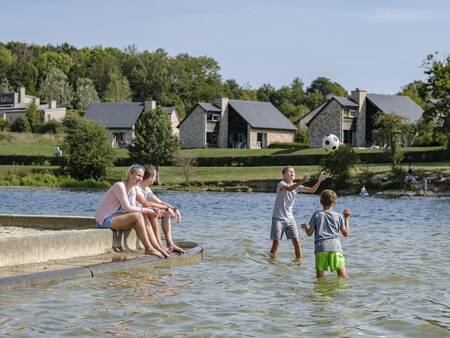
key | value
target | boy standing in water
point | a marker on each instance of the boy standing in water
(282, 217)
(326, 225)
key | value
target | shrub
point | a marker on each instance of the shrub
(340, 163)
(20, 125)
(4, 125)
(52, 127)
(87, 151)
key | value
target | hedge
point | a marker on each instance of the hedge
(248, 161)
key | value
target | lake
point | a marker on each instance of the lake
(397, 257)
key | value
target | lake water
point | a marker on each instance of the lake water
(397, 255)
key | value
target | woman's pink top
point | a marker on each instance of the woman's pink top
(115, 198)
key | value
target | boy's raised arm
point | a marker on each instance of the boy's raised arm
(313, 189)
(294, 186)
(346, 228)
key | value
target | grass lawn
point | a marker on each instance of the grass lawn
(28, 144)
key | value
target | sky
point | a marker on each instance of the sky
(378, 45)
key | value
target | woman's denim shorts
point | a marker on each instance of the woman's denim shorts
(106, 223)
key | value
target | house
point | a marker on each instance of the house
(235, 124)
(15, 104)
(120, 119)
(352, 118)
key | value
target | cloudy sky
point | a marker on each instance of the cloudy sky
(374, 45)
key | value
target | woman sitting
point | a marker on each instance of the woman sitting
(118, 211)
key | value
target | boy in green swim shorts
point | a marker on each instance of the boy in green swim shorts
(326, 224)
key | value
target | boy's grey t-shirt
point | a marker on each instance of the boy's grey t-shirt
(327, 224)
(284, 202)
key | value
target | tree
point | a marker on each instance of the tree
(390, 129)
(325, 86)
(118, 89)
(88, 152)
(417, 91)
(7, 60)
(438, 72)
(56, 87)
(154, 142)
(85, 93)
(34, 117)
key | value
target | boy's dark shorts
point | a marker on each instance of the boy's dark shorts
(281, 226)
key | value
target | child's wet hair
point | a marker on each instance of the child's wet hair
(328, 198)
(149, 170)
(286, 168)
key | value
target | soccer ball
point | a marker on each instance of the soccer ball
(330, 142)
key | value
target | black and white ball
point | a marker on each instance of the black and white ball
(330, 142)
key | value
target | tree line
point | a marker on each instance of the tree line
(76, 77)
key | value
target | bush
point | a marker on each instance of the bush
(52, 127)
(4, 125)
(302, 135)
(21, 125)
(340, 163)
(88, 153)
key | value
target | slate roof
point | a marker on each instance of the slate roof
(262, 115)
(209, 107)
(400, 105)
(115, 115)
(345, 102)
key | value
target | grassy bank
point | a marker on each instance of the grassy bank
(215, 178)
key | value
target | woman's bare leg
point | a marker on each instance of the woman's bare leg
(153, 239)
(167, 229)
(153, 219)
(134, 220)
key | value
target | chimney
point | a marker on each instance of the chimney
(149, 105)
(359, 96)
(22, 91)
(222, 104)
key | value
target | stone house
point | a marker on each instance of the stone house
(235, 124)
(15, 104)
(120, 118)
(351, 118)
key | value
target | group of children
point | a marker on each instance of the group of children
(325, 224)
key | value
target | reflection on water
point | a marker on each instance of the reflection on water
(397, 257)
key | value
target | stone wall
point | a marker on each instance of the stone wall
(174, 122)
(272, 136)
(54, 114)
(192, 130)
(328, 121)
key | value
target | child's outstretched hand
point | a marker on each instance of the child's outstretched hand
(303, 226)
(305, 177)
(347, 213)
(323, 176)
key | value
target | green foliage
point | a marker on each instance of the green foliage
(52, 127)
(417, 91)
(4, 125)
(20, 125)
(288, 145)
(56, 87)
(118, 89)
(88, 153)
(438, 72)
(154, 142)
(340, 163)
(34, 117)
(390, 130)
(302, 135)
(85, 93)
(325, 86)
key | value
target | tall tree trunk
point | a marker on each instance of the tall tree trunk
(157, 182)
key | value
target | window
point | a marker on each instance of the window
(211, 139)
(351, 113)
(212, 117)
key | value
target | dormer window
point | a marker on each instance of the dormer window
(350, 113)
(212, 117)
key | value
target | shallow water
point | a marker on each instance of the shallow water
(397, 257)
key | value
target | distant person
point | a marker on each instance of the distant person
(440, 178)
(118, 211)
(58, 152)
(164, 211)
(409, 178)
(283, 221)
(364, 192)
(326, 225)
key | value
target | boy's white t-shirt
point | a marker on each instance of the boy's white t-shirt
(146, 192)
(284, 202)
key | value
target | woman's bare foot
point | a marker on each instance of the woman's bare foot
(154, 252)
(176, 248)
